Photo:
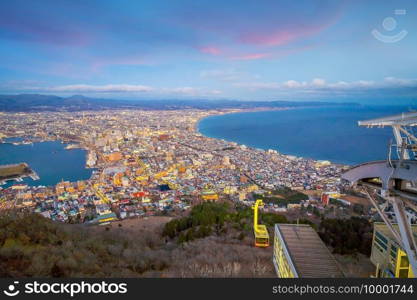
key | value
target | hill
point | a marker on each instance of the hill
(32, 246)
(36, 102)
(213, 240)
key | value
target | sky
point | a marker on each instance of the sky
(192, 49)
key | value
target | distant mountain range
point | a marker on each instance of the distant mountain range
(36, 102)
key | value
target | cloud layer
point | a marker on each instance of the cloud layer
(231, 79)
(125, 89)
(85, 88)
(319, 84)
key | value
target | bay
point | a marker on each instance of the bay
(50, 160)
(322, 133)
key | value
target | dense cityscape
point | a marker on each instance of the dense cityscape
(147, 162)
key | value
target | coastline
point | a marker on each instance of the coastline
(240, 110)
(197, 130)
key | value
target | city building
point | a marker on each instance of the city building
(209, 195)
(299, 252)
(115, 156)
(325, 198)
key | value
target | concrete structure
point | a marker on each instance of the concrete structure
(299, 252)
(387, 255)
(395, 180)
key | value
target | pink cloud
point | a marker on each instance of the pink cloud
(210, 50)
(270, 39)
(252, 56)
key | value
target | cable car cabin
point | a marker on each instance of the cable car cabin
(260, 231)
(261, 236)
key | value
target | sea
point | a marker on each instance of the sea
(321, 133)
(50, 160)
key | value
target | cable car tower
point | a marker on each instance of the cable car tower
(394, 180)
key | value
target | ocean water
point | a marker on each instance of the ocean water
(50, 160)
(326, 133)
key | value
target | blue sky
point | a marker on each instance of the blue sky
(235, 49)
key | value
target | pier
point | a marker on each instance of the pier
(16, 172)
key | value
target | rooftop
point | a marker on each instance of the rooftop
(308, 253)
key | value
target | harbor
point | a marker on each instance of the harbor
(50, 162)
(16, 172)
